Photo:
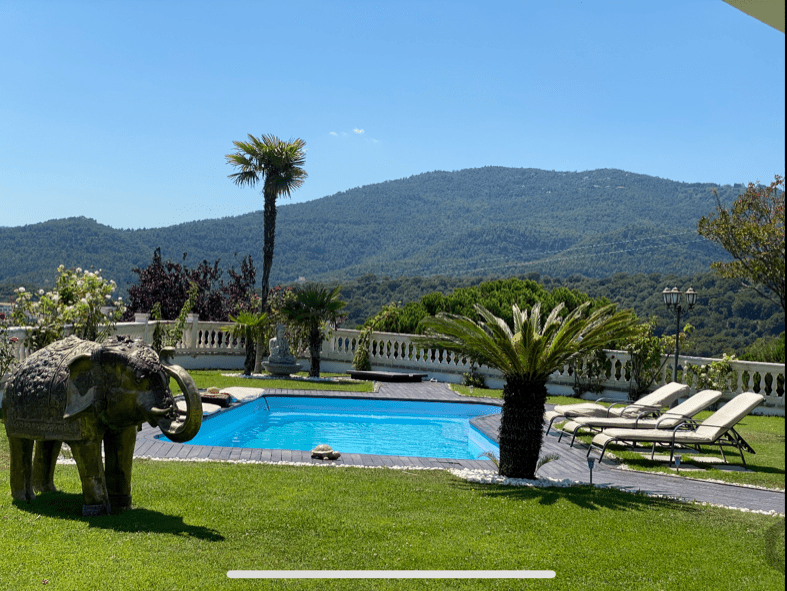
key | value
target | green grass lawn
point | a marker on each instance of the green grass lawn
(764, 434)
(192, 522)
(210, 378)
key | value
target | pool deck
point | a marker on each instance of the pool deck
(571, 465)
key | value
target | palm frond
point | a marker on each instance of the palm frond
(533, 349)
(280, 163)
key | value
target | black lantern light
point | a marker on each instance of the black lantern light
(672, 299)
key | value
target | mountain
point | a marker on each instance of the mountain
(490, 221)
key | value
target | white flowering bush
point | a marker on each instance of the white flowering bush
(716, 375)
(81, 304)
(7, 358)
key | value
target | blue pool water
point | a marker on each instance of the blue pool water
(352, 425)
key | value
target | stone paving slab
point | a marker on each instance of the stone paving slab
(572, 463)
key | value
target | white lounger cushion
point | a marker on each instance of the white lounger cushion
(707, 432)
(687, 409)
(658, 399)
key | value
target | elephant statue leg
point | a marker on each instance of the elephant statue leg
(44, 462)
(91, 472)
(21, 476)
(119, 453)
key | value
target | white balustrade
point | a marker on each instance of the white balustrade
(391, 351)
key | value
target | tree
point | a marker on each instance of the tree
(249, 326)
(280, 164)
(752, 231)
(240, 292)
(169, 335)
(241, 287)
(649, 355)
(167, 284)
(527, 356)
(313, 307)
(7, 357)
(81, 300)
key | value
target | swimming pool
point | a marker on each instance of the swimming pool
(352, 426)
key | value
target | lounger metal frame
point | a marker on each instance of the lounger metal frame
(730, 438)
(629, 405)
(644, 414)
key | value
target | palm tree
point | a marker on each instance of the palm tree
(249, 326)
(526, 357)
(280, 164)
(312, 307)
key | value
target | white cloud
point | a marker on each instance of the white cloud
(334, 133)
(359, 131)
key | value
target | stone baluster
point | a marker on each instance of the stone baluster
(147, 333)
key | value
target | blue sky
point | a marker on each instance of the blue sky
(123, 111)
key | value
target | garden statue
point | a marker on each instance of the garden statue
(85, 393)
(281, 362)
(325, 452)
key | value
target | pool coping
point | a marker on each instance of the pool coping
(148, 446)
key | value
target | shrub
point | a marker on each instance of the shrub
(81, 299)
(769, 350)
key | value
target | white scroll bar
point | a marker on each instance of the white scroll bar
(391, 574)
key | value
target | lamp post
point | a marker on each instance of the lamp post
(672, 299)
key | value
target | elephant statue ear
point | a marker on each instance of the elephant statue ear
(80, 391)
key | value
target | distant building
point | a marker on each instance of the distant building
(6, 308)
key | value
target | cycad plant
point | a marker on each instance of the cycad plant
(526, 356)
(313, 307)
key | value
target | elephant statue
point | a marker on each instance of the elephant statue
(85, 394)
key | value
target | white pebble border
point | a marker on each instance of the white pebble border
(477, 476)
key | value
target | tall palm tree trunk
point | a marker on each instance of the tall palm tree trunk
(521, 426)
(269, 219)
(269, 235)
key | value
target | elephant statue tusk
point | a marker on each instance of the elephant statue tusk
(160, 412)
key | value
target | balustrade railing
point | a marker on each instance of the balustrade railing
(391, 351)
(199, 338)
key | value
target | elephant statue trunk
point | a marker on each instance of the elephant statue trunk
(181, 431)
(88, 395)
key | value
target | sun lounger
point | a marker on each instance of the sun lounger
(717, 429)
(669, 420)
(654, 402)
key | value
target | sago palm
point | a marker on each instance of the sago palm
(280, 164)
(312, 307)
(526, 356)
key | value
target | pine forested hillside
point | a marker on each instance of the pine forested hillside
(726, 319)
(489, 221)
